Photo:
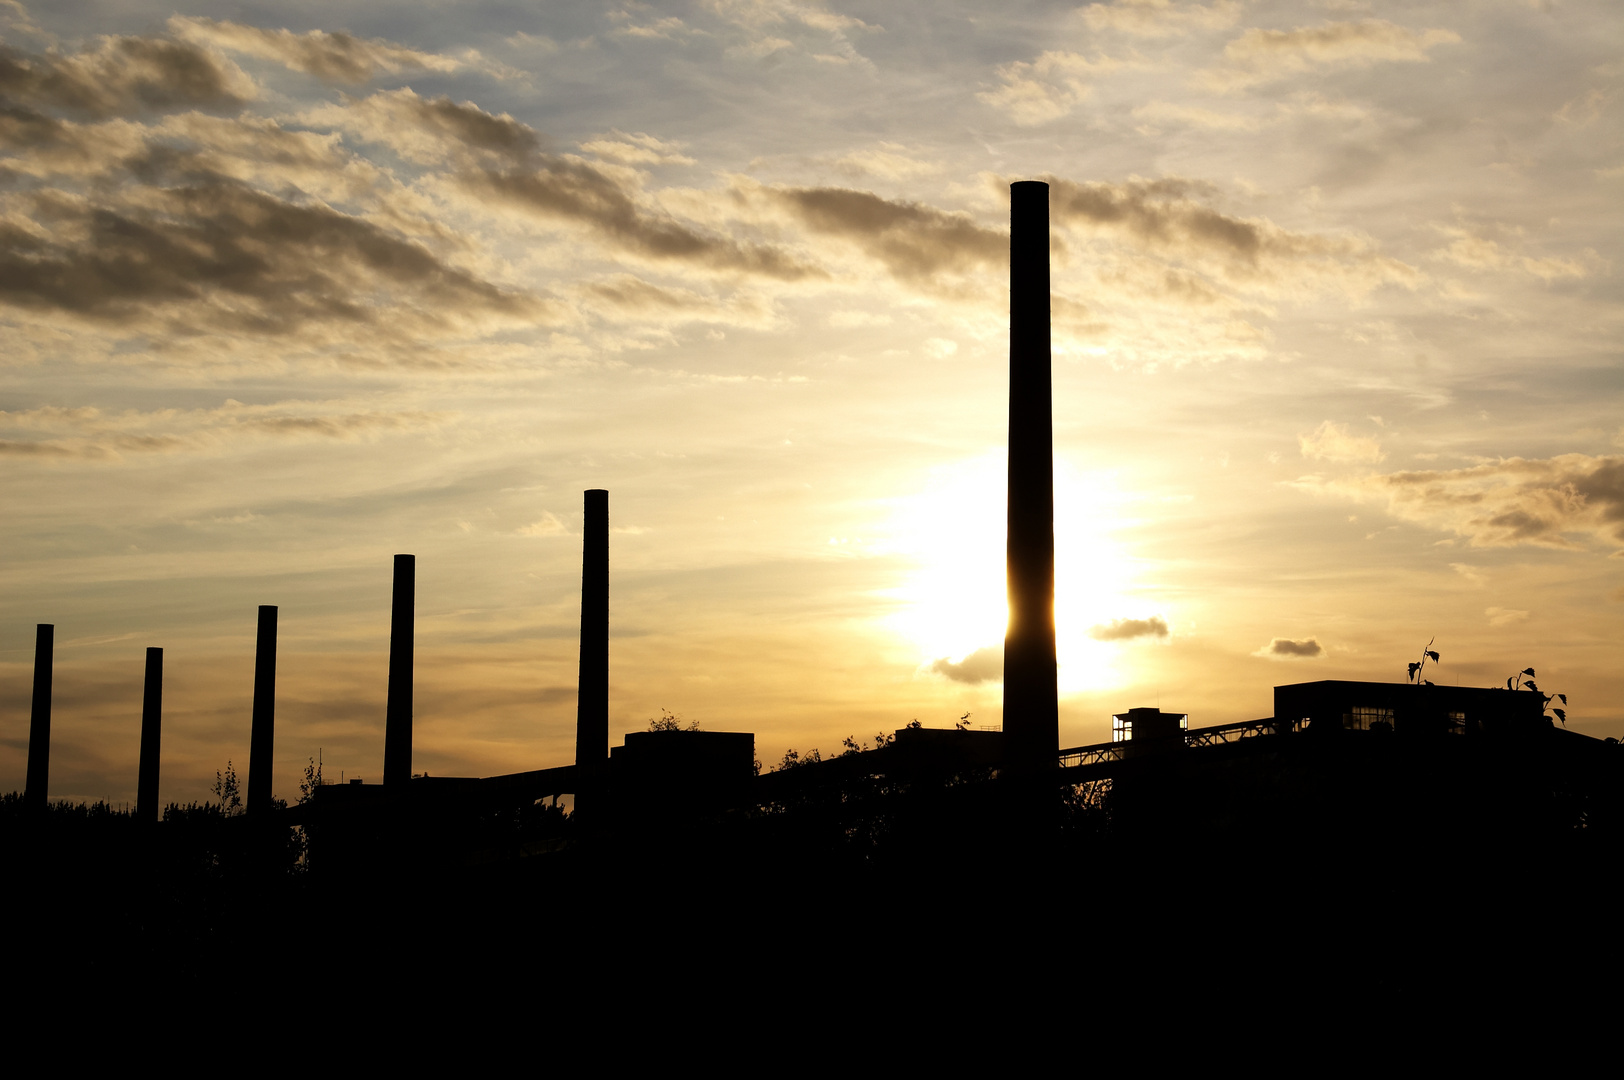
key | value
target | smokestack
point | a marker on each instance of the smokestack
(592, 718)
(152, 703)
(1031, 709)
(261, 740)
(397, 735)
(39, 721)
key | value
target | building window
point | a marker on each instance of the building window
(1457, 723)
(1368, 718)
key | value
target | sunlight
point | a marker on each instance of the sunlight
(954, 603)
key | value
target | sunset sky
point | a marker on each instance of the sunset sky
(288, 288)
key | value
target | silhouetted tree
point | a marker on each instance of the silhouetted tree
(227, 790)
(312, 779)
(670, 721)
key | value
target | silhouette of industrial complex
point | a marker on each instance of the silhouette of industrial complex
(1365, 796)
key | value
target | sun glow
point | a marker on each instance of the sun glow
(955, 602)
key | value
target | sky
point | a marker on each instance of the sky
(287, 289)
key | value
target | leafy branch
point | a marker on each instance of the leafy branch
(1517, 682)
(1418, 666)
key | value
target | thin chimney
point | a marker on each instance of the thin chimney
(1031, 710)
(592, 717)
(39, 720)
(152, 704)
(262, 738)
(397, 736)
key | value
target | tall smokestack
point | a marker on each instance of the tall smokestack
(39, 720)
(152, 704)
(1031, 709)
(397, 735)
(261, 740)
(592, 717)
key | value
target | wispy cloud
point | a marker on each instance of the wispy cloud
(1260, 56)
(1160, 18)
(983, 665)
(1547, 502)
(124, 76)
(1334, 442)
(1291, 649)
(1130, 629)
(332, 57)
(1039, 91)
(95, 435)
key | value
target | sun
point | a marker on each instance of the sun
(954, 601)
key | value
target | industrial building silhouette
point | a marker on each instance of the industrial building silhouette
(1344, 774)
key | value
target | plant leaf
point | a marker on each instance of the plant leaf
(1433, 655)
(1529, 672)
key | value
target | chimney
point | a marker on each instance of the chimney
(1031, 710)
(397, 736)
(261, 740)
(39, 721)
(592, 717)
(152, 703)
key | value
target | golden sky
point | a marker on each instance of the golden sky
(1337, 325)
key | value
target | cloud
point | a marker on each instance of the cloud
(1499, 616)
(636, 149)
(1259, 55)
(761, 21)
(1165, 112)
(1129, 629)
(1333, 442)
(1048, 88)
(1549, 502)
(211, 253)
(431, 131)
(496, 158)
(1291, 649)
(915, 242)
(624, 295)
(1171, 216)
(890, 161)
(122, 76)
(1481, 253)
(1159, 18)
(91, 434)
(332, 57)
(547, 525)
(571, 190)
(1469, 572)
(983, 665)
